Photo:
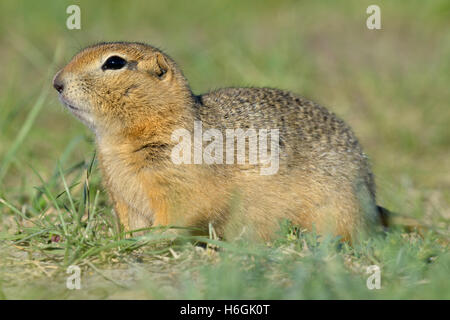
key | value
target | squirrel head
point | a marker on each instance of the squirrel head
(123, 87)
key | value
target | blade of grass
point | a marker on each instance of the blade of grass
(69, 195)
(24, 130)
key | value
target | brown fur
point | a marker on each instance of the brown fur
(324, 179)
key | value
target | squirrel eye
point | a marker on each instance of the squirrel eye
(114, 63)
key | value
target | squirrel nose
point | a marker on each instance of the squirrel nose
(57, 82)
(59, 87)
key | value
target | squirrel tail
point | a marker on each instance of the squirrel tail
(384, 215)
(389, 219)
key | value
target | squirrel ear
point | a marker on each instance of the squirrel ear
(162, 67)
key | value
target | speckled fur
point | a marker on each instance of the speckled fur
(324, 180)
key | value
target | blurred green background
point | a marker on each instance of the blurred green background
(391, 85)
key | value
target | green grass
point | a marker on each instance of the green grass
(390, 85)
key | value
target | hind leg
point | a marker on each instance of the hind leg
(317, 203)
(345, 210)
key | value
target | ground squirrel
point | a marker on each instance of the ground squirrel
(133, 96)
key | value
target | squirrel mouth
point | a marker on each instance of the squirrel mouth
(81, 114)
(70, 106)
(75, 109)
